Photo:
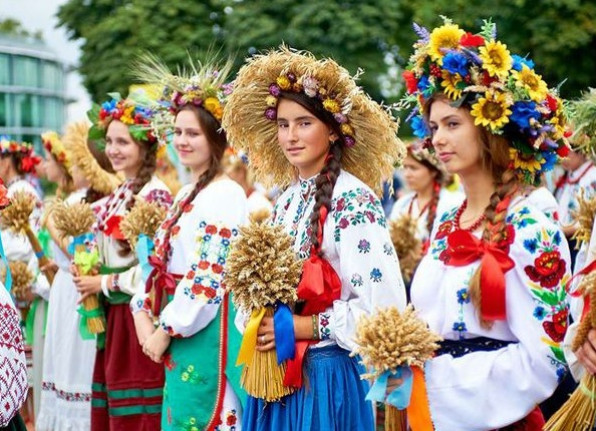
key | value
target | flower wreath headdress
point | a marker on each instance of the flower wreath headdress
(53, 145)
(369, 131)
(504, 92)
(135, 115)
(29, 160)
(201, 84)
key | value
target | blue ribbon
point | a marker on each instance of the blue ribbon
(285, 339)
(400, 397)
(8, 281)
(144, 250)
(80, 240)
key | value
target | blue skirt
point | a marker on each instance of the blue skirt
(331, 398)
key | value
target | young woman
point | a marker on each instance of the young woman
(194, 338)
(69, 359)
(238, 169)
(309, 127)
(426, 178)
(127, 386)
(17, 160)
(12, 352)
(492, 282)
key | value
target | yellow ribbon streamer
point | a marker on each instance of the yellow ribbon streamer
(249, 340)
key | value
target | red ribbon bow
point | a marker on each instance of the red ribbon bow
(159, 280)
(464, 248)
(319, 286)
(113, 228)
(585, 271)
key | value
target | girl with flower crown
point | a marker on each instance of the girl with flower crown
(195, 340)
(492, 283)
(17, 160)
(311, 129)
(69, 359)
(127, 386)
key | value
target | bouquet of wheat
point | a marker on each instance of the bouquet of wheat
(579, 411)
(139, 226)
(22, 277)
(394, 344)
(16, 218)
(262, 272)
(76, 221)
(407, 245)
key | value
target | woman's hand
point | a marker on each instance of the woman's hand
(586, 354)
(87, 285)
(50, 266)
(266, 335)
(74, 270)
(143, 326)
(156, 345)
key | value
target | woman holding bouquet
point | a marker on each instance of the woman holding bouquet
(196, 339)
(309, 128)
(127, 386)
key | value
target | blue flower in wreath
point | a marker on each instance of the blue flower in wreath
(539, 313)
(455, 62)
(519, 61)
(460, 327)
(376, 275)
(463, 296)
(363, 246)
(419, 127)
(522, 112)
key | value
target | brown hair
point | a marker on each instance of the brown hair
(17, 161)
(104, 162)
(325, 181)
(495, 159)
(438, 182)
(68, 185)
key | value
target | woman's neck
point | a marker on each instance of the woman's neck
(425, 195)
(478, 188)
(10, 176)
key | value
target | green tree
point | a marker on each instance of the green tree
(14, 27)
(116, 32)
(356, 33)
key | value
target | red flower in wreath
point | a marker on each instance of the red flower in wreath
(548, 269)
(557, 328)
(444, 229)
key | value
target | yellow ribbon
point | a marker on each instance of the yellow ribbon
(249, 340)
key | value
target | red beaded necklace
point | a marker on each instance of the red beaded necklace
(458, 214)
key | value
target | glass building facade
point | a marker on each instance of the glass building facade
(32, 90)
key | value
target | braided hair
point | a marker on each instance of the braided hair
(93, 195)
(325, 181)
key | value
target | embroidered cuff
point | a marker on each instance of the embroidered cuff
(104, 286)
(141, 302)
(326, 325)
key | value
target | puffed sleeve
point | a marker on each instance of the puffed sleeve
(464, 391)
(199, 294)
(368, 266)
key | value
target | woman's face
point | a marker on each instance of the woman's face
(304, 139)
(52, 169)
(78, 178)
(455, 138)
(124, 153)
(190, 142)
(418, 177)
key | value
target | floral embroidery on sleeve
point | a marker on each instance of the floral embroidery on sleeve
(376, 275)
(161, 197)
(363, 246)
(354, 207)
(324, 331)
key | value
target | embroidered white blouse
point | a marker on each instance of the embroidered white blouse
(199, 246)
(489, 390)
(408, 204)
(356, 243)
(13, 367)
(113, 208)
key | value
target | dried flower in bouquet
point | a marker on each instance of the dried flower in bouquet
(144, 218)
(76, 220)
(407, 245)
(22, 278)
(391, 343)
(16, 218)
(262, 272)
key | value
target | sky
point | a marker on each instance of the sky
(40, 15)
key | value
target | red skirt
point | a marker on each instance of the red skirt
(127, 386)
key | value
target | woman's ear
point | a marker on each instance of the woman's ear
(333, 136)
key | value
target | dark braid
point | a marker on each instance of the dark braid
(325, 183)
(144, 175)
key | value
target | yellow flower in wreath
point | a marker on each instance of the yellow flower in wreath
(496, 59)
(444, 38)
(492, 110)
(530, 81)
